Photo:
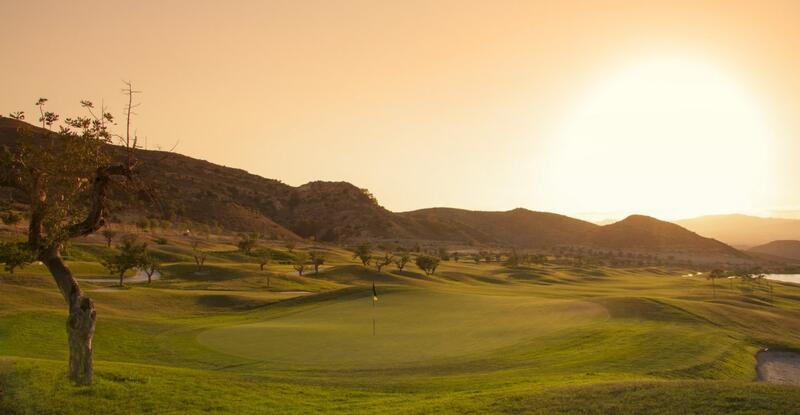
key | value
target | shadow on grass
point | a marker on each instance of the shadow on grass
(190, 272)
(231, 302)
(356, 274)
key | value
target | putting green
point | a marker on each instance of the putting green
(411, 326)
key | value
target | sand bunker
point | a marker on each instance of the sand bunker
(775, 366)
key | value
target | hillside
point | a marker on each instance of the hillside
(742, 230)
(784, 249)
(185, 188)
(529, 229)
(518, 227)
(644, 232)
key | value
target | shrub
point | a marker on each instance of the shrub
(427, 263)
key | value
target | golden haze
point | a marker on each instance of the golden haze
(597, 108)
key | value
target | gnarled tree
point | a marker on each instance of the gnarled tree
(381, 262)
(363, 253)
(67, 177)
(402, 259)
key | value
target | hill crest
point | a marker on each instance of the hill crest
(789, 249)
(204, 192)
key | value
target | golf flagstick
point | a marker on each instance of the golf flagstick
(374, 300)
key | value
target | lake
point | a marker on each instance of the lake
(795, 278)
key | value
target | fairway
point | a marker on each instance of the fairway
(473, 339)
(412, 326)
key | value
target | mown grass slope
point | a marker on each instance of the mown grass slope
(469, 339)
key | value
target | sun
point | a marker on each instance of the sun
(667, 136)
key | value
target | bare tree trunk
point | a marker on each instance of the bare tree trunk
(81, 320)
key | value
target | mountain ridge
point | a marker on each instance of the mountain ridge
(789, 249)
(341, 212)
(743, 230)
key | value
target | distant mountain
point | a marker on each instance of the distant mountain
(743, 230)
(605, 221)
(206, 193)
(784, 249)
(644, 232)
(518, 227)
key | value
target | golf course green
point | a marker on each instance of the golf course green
(412, 326)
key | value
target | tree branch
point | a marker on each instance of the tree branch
(95, 219)
(38, 201)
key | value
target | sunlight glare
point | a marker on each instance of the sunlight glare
(666, 136)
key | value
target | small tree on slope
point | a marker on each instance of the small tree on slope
(381, 262)
(363, 253)
(109, 235)
(14, 255)
(402, 259)
(263, 257)
(317, 260)
(300, 262)
(149, 265)
(427, 263)
(131, 254)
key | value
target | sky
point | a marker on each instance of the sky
(595, 109)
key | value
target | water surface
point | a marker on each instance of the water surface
(794, 278)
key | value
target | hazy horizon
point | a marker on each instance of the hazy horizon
(595, 110)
